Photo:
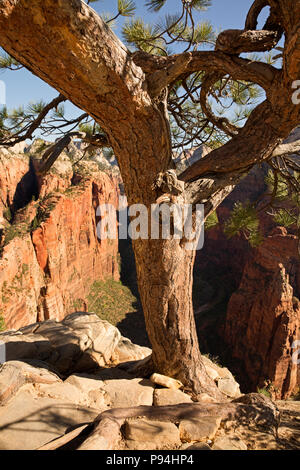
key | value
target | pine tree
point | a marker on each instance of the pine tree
(174, 85)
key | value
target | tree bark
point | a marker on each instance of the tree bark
(165, 278)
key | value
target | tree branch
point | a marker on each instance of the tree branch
(87, 59)
(172, 67)
(11, 141)
(212, 190)
(52, 153)
(254, 12)
(255, 143)
(287, 149)
(236, 41)
(221, 122)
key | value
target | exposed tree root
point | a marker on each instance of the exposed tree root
(105, 432)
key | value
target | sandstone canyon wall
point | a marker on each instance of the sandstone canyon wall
(263, 316)
(50, 253)
(261, 321)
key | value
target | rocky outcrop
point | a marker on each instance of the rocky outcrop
(81, 342)
(263, 316)
(50, 252)
(17, 182)
(78, 343)
(62, 387)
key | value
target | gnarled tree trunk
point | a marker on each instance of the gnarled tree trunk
(165, 277)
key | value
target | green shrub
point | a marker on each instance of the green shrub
(7, 214)
(111, 300)
(2, 323)
(211, 221)
(264, 391)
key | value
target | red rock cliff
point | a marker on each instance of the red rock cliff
(256, 334)
(263, 316)
(51, 254)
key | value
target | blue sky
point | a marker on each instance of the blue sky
(23, 87)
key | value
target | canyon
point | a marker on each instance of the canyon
(258, 331)
(51, 257)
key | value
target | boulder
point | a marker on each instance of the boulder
(229, 387)
(165, 381)
(98, 337)
(81, 341)
(199, 429)
(126, 351)
(220, 372)
(212, 373)
(140, 433)
(165, 396)
(223, 378)
(127, 393)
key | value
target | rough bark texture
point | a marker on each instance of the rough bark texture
(66, 44)
(165, 270)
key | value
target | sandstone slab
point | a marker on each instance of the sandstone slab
(205, 398)
(15, 374)
(222, 372)
(229, 387)
(126, 351)
(199, 429)
(212, 373)
(127, 393)
(229, 443)
(92, 390)
(164, 397)
(141, 432)
(29, 421)
(84, 382)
